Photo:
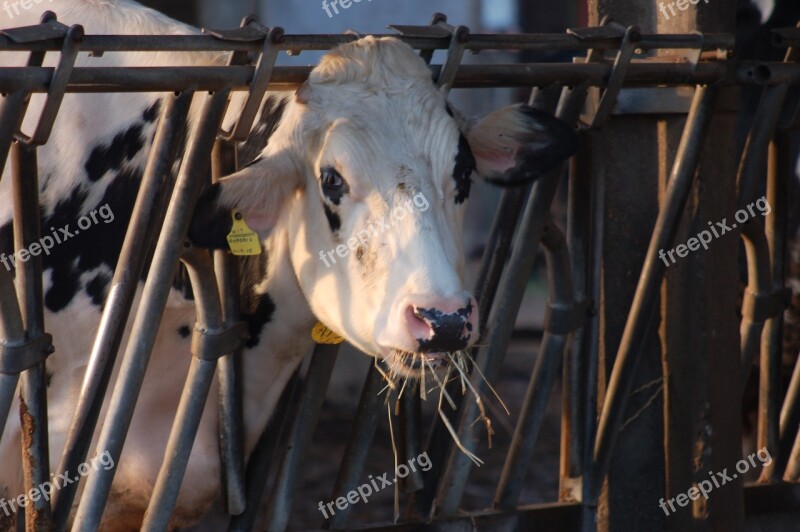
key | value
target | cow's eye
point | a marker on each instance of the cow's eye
(331, 179)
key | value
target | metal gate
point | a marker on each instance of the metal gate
(613, 60)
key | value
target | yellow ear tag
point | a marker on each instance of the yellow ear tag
(242, 240)
(323, 335)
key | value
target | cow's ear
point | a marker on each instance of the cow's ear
(259, 191)
(518, 144)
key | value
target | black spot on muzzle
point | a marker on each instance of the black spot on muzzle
(448, 329)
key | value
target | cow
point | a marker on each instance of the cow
(357, 197)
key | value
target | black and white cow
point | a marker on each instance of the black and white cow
(358, 197)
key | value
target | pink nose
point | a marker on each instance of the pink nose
(441, 324)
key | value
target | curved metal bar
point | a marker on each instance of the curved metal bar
(643, 307)
(759, 284)
(11, 333)
(509, 299)
(229, 371)
(148, 316)
(195, 394)
(369, 410)
(315, 384)
(554, 347)
(148, 215)
(30, 291)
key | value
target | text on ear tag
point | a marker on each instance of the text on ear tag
(242, 240)
(322, 335)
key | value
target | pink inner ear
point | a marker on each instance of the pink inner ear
(495, 161)
(259, 222)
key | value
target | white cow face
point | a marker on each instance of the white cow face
(368, 174)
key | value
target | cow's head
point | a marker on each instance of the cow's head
(368, 173)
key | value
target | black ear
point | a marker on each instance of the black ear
(258, 191)
(518, 144)
(211, 222)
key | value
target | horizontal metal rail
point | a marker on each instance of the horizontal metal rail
(209, 78)
(296, 42)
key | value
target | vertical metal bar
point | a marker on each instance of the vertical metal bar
(264, 455)
(33, 389)
(315, 385)
(643, 307)
(12, 332)
(370, 407)
(510, 293)
(148, 215)
(579, 237)
(229, 368)
(494, 259)
(759, 284)
(552, 350)
(12, 110)
(769, 395)
(151, 308)
(193, 399)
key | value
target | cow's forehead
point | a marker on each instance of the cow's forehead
(392, 148)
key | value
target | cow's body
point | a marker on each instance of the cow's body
(77, 175)
(96, 156)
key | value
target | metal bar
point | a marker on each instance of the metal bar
(552, 350)
(580, 206)
(229, 369)
(147, 217)
(12, 332)
(315, 385)
(643, 307)
(476, 42)
(509, 298)
(193, 399)
(792, 473)
(12, 111)
(33, 382)
(759, 284)
(151, 308)
(178, 78)
(772, 338)
(370, 407)
(494, 259)
(264, 455)
(754, 157)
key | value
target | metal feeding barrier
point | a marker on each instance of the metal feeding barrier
(616, 59)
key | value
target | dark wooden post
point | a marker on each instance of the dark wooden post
(683, 418)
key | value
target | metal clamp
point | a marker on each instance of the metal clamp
(761, 307)
(251, 30)
(626, 51)
(58, 84)
(16, 358)
(211, 344)
(564, 320)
